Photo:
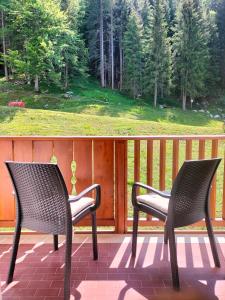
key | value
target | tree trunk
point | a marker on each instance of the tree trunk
(102, 63)
(4, 46)
(184, 100)
(66, 76)
(156, 92)
(121, 61)
(112, 46)
(28, 80)
(36, 84)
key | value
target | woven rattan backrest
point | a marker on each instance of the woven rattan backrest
(42, 197)
(190, 192)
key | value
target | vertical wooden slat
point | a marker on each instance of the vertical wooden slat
(149, 162)
(136, 160)
(7, 203)
(104, 175)
(223, 213)
(23, 150)
(188, 151)
(201, 149)
(175, 158)
(63, 150)
(42, 151)
(162, 165)
(149, 168)
(121, 186)
(83, 159)
(213, 190)
(82, 155)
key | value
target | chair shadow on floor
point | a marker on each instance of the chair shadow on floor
(148, 275)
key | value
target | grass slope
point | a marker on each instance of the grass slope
(93, 111)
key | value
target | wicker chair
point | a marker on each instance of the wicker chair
(187, 203)
(43, 205)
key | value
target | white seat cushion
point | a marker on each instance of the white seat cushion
(80, 204)
(154, 201)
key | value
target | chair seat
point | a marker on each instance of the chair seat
(155, 201)
(79, 205)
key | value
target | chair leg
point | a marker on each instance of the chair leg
(94, 236)
(135, 232)
(165, 235)
(14, 253)
(173, 259)
(67, 272)
(212, 241)
(56, 242)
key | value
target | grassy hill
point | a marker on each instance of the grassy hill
(93, 111)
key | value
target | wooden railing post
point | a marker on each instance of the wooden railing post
(223, 212)
(213, 191)
(120, 186)
(136, 160)
(188, 152)
(201, 149)
(162, 165)
(175, 159)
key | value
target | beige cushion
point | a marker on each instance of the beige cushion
(79, 205)
(155, 201)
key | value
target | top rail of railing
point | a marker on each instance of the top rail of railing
(128, 138)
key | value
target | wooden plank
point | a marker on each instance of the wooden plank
(150, 162)
(215, 145)
(175, 158)
(162, 165)
(83, 159)
(23, 150)
(7, 203)
(150, 155)
(121, 186)
(63, 150)
(42, 151)
(4, 223)
(128, 138)
(100, 222)
(156, 223)
(223, 212)
(136, 161)
(201, 149)
(104, 175)
(188, 152)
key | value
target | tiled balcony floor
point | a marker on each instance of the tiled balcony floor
(39, 270)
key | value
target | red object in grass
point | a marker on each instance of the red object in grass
(16, 103)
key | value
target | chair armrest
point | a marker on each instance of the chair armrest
(86, 191)
(137, 185)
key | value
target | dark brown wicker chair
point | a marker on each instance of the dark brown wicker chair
(43, 205)
(187, 203)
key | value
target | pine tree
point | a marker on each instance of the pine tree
(3, 33)
(133, 56)
(220, 20)
(121, 14)
(190, 48)
(73, 47)
(157, 52)
(213, 72)
(38, 28)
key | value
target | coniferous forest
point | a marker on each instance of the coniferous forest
(148, 49)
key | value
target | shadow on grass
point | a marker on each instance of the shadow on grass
(89, 98)
(8, 113)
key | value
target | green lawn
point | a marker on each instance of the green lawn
(93, 111)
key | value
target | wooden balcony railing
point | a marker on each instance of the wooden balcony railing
(114, 162)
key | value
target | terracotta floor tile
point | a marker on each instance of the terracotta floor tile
(39, 271)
